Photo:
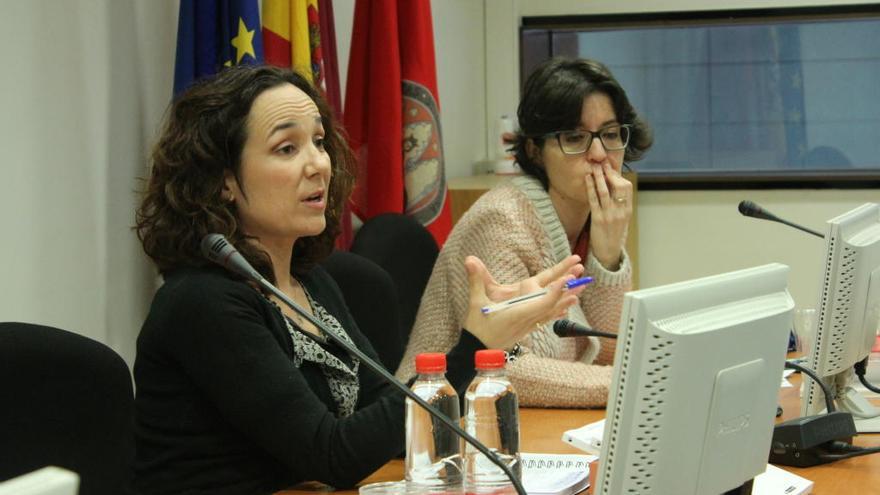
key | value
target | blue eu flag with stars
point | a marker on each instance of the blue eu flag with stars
(212, 34)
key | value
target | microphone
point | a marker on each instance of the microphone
(568, 328)
(752, 209)
(216, 248)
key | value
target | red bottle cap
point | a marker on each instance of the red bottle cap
(489, 359)
(431, 362)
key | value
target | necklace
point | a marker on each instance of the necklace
(300, 321)
(320, 338)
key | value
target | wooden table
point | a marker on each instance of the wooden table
(541, 431)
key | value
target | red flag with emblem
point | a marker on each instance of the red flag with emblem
(392, 114)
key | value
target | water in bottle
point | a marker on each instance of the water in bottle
(433, 450)
(491, 414)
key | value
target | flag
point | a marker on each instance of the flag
(292, 36)
(392, 114)
(328, 53)
(300, 34)
(330, 79)
(212, 34)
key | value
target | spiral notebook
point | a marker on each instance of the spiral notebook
(555, 474)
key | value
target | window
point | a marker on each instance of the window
(782, 98)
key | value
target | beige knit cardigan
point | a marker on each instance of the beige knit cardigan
(515, 230)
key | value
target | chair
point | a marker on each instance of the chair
(68, 402)
(407, 251)
(371, 297)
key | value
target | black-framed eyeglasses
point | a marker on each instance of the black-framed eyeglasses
(613, 137)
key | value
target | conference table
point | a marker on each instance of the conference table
(541, 432)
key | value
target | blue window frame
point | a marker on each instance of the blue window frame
(782, 98)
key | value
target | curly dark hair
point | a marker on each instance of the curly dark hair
(552, 101)
(202, 138)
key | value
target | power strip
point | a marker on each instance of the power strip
(587, 438)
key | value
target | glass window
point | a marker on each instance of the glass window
(736, 100)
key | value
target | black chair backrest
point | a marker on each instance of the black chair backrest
(371, 297)
(407, 251)
(67, 401)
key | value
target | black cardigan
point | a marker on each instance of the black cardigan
(221, 408)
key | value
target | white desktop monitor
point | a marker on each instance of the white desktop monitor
(49, 480)
(696, 379)
(849, 313)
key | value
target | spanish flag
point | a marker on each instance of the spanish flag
(212, 34)
(392, 114)
(292, 36)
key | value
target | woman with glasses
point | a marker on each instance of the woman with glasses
(576, 129)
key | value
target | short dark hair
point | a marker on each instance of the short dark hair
(202, 138)
(552, 101)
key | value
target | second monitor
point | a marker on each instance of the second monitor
(849, 313)
(696, 379)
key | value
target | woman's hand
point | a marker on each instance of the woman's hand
(610, 198)
(502, 329)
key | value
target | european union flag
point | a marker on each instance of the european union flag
(212, 34)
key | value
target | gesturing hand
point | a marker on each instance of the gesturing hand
(610, 198)
(502, 329)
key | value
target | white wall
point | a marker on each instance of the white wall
(688, 234)
(156, 36)
(71, 148)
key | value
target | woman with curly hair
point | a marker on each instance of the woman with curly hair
(236, 394)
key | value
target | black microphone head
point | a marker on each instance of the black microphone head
(752, 209)
(562, 328)
(568, 328)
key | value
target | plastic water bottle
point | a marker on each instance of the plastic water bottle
(505, 162)
(491, 414)
(433, 450)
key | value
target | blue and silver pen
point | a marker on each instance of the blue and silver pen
(571, 284)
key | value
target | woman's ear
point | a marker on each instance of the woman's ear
(534, 152)
(230, 187)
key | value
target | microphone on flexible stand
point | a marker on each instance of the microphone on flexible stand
(216, 248)
(752, 209)
(568, 328)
